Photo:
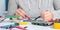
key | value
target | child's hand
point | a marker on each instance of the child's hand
(46, 15)
(21, 13)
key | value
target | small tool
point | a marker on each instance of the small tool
(37, 17)
(28, 17)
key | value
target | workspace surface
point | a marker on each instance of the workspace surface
(31, 27)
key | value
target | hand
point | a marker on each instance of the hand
(20, 12)
(46, 15)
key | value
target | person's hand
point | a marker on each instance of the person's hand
(47, 15)
(21, 13)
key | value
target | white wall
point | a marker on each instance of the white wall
(2, 6)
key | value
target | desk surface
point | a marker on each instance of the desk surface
(32, 27)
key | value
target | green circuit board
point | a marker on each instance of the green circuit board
(11, 16)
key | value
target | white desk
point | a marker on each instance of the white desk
(32, 27)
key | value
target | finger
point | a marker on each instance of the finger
(21, 14)
(22, 11)
(16, 14)
(20, 17)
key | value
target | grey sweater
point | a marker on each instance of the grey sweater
(31, 7)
